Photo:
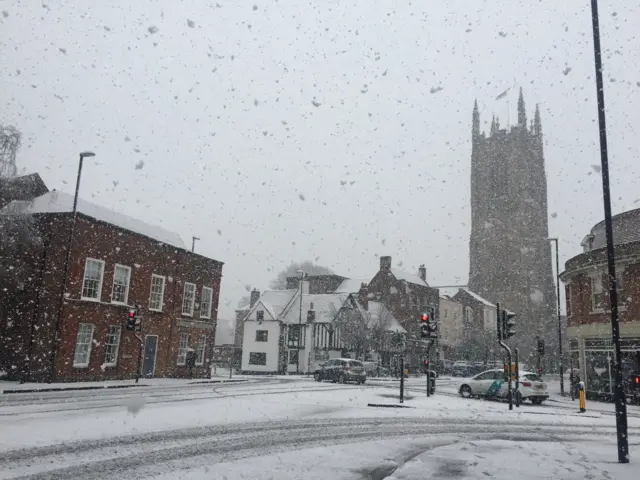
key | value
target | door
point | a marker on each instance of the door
(149, 361)
(481, 383)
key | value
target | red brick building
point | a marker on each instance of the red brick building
(117, 262)
(588, 311)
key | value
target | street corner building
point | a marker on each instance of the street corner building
(117, 263)
(586, 282)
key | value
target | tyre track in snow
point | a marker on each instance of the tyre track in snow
(153, 453)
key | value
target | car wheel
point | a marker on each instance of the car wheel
(536, 401)
(316, 377)
(465, 391)
(341, 379)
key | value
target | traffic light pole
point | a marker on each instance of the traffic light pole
(139, 369)
(402, 379)
(516, 352)
(429, 345)
(506, 348)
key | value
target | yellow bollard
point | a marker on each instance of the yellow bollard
(583, 400)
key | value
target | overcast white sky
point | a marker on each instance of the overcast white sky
(334, 131)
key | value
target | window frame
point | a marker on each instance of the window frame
(100, 282)
(117, 346)
(210, 304)
(181, 360)
(184, 298)
(266, 336)
(592, 282)
(128, 286)
(89, 347)
(258, 364)
(164, 283)
(201, 348)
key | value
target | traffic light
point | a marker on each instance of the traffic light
(132, 319)
(311, 316)
(424, 325)
(508, 324)
(636, 382)
(428, 325)
(541, 346)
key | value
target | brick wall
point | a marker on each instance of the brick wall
(145, 256)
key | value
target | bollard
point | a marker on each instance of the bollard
(583, 401)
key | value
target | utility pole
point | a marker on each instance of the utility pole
(65, 268)
(555, 240)
(300, 320)
(621, 407)
(193, 243)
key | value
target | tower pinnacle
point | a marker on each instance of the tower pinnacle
(522, 114)
(537, 124)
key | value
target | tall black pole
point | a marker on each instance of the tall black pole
(559, 318)
(65, 271)
(621, 407)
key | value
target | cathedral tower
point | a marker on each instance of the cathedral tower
(510, 256)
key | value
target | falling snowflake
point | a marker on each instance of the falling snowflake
(139, 165)
(566, 70)
(596, 168)
(152, 29)
(191, 23)
(301, 196)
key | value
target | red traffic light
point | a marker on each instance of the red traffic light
(426, 362)
(636, 380)
(132, 313)
(424, 317)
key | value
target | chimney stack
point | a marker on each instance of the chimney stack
(422, 272)
(385, 263)
(255, 296)
(363, 296)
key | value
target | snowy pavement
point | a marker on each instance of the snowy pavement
(284, 428)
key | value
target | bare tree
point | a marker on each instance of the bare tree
(10, 138)
(365, 331)
(309, 268)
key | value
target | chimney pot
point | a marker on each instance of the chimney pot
(385, 263)
(422, 272)
(254, 297)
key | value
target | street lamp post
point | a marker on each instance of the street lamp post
(300, 320)
(555, 240)
(65, 267)
(621, 407)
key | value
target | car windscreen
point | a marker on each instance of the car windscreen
(534, 377)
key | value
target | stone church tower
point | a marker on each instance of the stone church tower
(510, 256)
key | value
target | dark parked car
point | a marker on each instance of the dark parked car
(341, 370)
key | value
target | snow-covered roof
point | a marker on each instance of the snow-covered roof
(59, 202)
(448, 291)
(275, 301)
(478, 297)
(351, 285)
(408, 277)
(326, 306)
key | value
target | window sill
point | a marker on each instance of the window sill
(124, 304)
(88, 299)
(190, 315)
(199, 364)
(109, 365)
(181, 364)
(155, 310)
(80, 365)
(600, 311)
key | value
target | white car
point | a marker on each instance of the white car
(493, 383)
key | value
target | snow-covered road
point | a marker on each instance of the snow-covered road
(267, 429)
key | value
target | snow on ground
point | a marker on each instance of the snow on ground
(230, 404)
(422, 458)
